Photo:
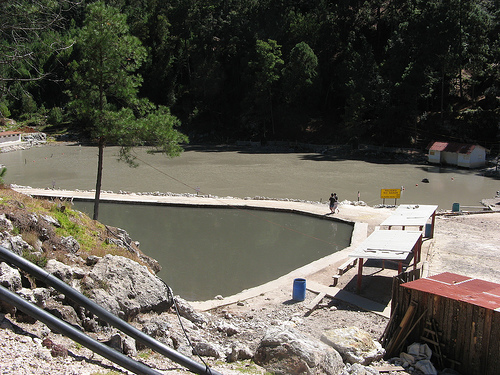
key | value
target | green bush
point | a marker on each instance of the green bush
(4, 111)
(28, 104)
(55, 116)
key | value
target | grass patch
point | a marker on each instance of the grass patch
(145, 354)
(90, 234)
(37, 258)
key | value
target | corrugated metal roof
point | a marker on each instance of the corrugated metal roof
(460, 288)
(460, 148)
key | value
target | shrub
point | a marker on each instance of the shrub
(55, 116)
(4, 111)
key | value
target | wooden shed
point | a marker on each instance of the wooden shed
(457, 316)
(459, 154)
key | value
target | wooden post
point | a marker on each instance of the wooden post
(433, 222)
(419, 248)
(360, 274)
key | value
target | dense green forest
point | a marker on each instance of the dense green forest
(391, 72)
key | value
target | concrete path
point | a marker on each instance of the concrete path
(371, 216)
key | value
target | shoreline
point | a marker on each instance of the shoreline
(363, 218)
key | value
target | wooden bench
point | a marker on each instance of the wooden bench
(335, 279)
(347, 265)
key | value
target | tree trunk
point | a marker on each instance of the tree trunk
(100, 162)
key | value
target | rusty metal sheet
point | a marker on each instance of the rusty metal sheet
(460, 288)
(449, 278)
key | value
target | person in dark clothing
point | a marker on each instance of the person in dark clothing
(333, 202)
(336, 204)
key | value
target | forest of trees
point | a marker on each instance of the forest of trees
(391, 72)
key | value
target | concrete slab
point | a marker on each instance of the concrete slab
(351, 298)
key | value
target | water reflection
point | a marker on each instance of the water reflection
(205, 252)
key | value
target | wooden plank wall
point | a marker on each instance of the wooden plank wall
(468, 334)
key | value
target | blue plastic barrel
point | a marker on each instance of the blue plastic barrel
(299, 289)
(455, 207)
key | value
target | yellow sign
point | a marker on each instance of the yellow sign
(390, 193)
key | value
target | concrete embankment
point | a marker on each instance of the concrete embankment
(351, 213)
(364, 219)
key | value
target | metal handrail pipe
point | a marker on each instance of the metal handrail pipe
(73, 333)
(49, 279)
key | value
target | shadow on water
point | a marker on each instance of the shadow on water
(325, 155)
(416, 158)
(444, 169)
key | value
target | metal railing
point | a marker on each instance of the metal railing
(49, 279)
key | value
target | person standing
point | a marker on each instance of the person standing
(333, 202)
(336, 202)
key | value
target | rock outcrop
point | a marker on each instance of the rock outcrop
(284, 350)
(125, 288)
(354, 344)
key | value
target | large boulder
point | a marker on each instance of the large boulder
(354, 344)
(10, 277)
(186, 310)
(284, 350)
(126, 288)
(63, 271)
(16, 244)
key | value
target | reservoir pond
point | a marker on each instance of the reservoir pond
(206, 252)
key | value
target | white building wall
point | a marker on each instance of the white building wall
(477, 157)
(463, 160)
(434, 157)
(449, 158)
(7, 138)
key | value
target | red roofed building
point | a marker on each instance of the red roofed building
(457, 316)
(10, 137)
(459, 154)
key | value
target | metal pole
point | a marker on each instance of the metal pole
(68, 330)
(49, 279)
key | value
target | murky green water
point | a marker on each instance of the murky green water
(205, 252)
